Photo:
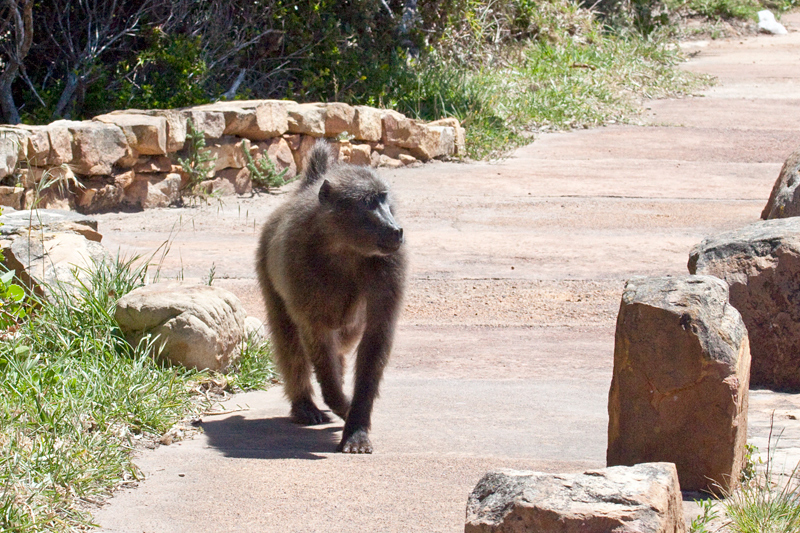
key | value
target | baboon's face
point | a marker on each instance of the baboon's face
(363, 216)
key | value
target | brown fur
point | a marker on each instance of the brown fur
(331, 265)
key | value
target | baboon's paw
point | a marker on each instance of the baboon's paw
(306, 413)
(358, 442)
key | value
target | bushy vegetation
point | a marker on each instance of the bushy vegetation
(77, 398)
(506, 68)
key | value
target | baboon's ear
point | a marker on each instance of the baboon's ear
(325, 192)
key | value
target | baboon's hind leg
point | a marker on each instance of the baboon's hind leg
(292, 362)
(323, 350)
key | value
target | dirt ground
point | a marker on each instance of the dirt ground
(503, 357)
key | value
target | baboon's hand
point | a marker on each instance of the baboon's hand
(308, 414)
(358, 442)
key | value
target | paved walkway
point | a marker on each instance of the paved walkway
(504, 354)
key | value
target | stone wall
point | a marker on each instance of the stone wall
(129, 158)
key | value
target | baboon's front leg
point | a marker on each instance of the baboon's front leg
(373, 353)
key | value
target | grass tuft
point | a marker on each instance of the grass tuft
(77, 398)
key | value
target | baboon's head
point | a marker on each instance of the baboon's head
(360, 208)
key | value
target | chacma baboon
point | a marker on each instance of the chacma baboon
(331, 265)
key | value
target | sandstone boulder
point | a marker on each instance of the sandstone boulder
(99, 195)
(279, 152)
(48, 220)
(360, 154)
(36, 147)
(9, 154)
(389, 162)
(784, 200)
(148, 191)
(339, 118)
(196, 326)
(460, 143)
(162, 190)
(761, 264)
(153, 165)
(239, 178)
(61, 174)
(228, 151)
(60, 143)
(96, 146)
(46, 261)
(367, 124)
(422, 141)
(256, 120)
(218, 187)
(11, 196)
(145, 134)
(644, 498)
(307, 119)
(255, 329)
(208, 121)
(680, 385)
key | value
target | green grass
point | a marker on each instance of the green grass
(557, 81)
(765, 502)
(76, 398)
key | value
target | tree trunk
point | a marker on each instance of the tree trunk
(7, 105)
(67, 95)
(23, 39)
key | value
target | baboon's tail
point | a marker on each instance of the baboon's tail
(318, 162)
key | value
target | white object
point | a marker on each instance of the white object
(768, 24)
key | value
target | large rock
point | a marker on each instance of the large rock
(9, 154)
(36, 146)
(228, 152)
(460, 146)
(679, 390)
(60, 143)
(49, 220)
(196, 326)
(148, 191)
(367, 124)
(239, 178)
(99, 195)
(784, 200)
(256, 120)
(145, 134)
(761, 264)
(11, 196)
(645, 498)
(208, 121)
(422, 141)
(307, 119)
(46, 260)
(280, 154)
(96, 146)
(339, 118)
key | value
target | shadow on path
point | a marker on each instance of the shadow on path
(270, 438)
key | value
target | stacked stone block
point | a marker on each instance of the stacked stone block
(129, 157)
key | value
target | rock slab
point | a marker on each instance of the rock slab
(196, 326)
(679, 389)
(644, 498)
(784, 200)
(761, 264)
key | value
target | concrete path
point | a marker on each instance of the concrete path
(504, 354)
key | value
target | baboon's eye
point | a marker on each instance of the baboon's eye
(373, 202)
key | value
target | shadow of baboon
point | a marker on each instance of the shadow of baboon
(270, 438)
